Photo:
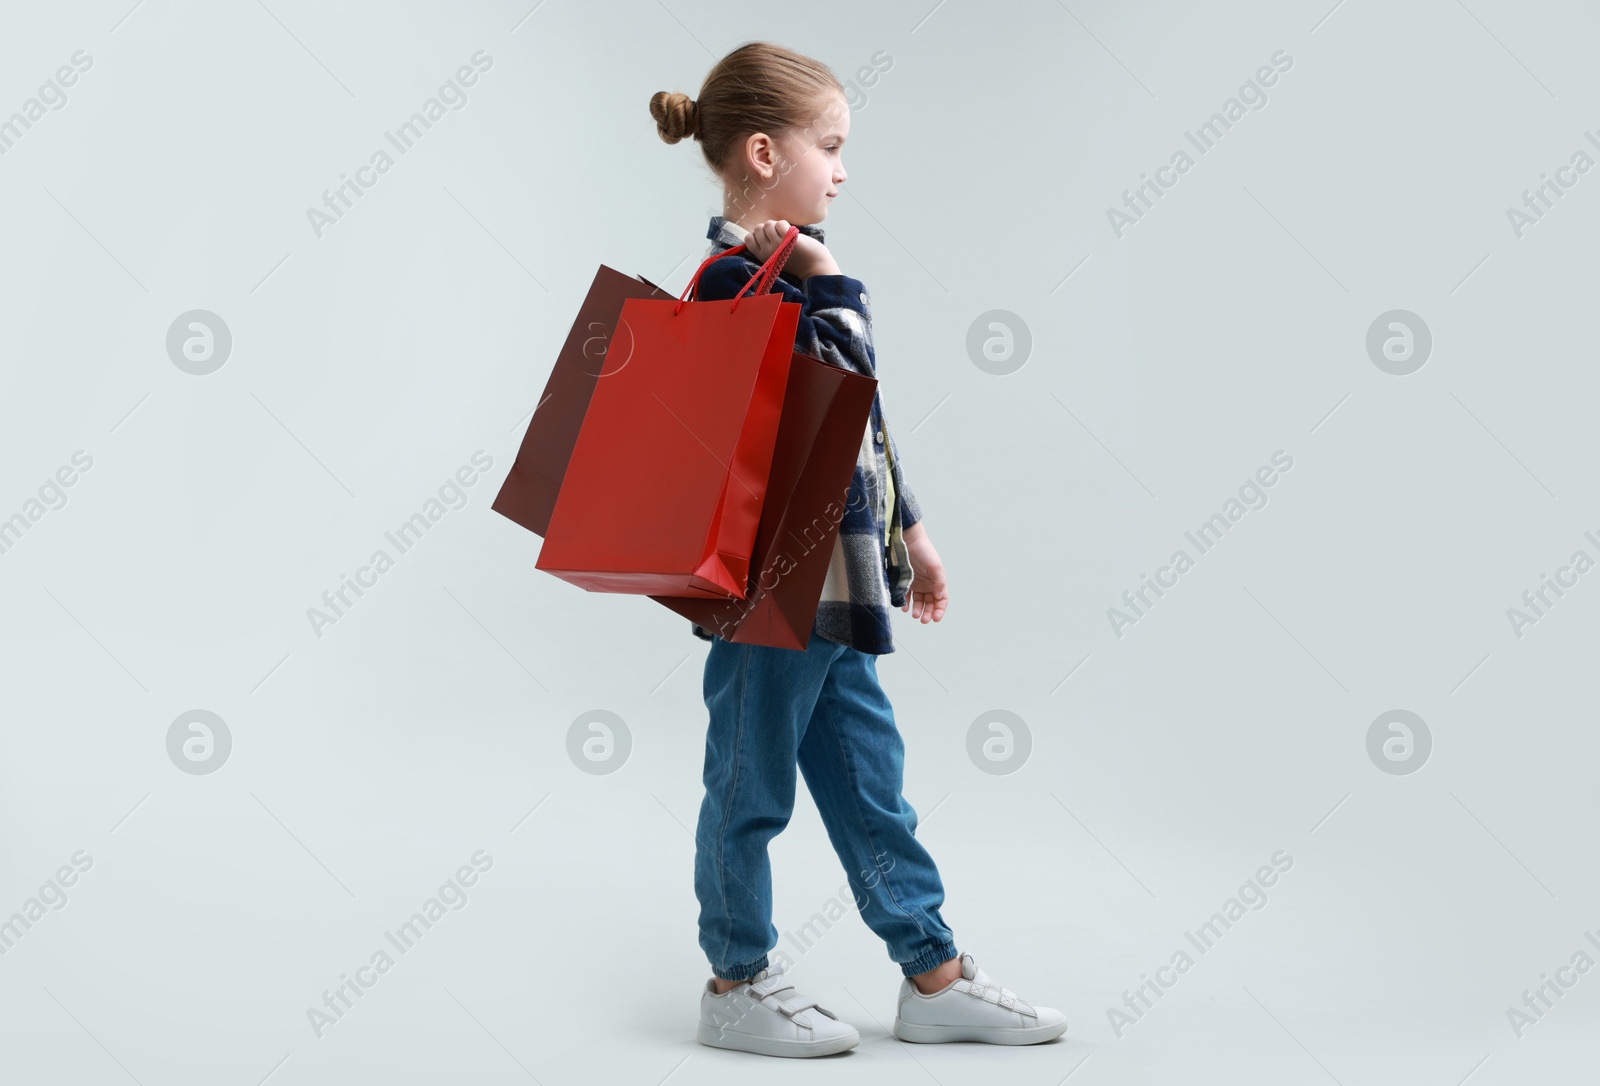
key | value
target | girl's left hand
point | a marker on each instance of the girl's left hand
(928, 595)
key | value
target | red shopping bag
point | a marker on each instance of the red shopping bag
(529, 492)
(664, 489)
(825, 411)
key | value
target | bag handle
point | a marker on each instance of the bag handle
(764, 276)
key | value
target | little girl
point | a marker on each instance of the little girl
(771, 124)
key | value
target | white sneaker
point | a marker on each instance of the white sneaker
(766, 1015)
(973, 1008)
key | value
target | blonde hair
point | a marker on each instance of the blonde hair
(759, 87)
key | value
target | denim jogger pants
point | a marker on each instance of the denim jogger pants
(770, 709)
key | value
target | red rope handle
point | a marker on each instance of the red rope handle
(766, 274)
(774, 264)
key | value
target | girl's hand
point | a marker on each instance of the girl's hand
(928, 591)
(808, 257)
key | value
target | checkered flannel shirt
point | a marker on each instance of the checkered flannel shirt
(866, 576)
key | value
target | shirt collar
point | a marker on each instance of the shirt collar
(725, 235)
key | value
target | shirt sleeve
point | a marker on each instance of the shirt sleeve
(833, 311)
(910, 508)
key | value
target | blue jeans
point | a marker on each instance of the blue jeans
(822, 708)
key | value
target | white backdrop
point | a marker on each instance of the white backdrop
(219, 403)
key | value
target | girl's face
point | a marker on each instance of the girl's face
(797, 176)
(816, 169)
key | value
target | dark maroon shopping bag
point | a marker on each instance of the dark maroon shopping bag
(529, 492)
(825, 412)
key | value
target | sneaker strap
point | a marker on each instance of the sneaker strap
(986, 989)
(770, 991)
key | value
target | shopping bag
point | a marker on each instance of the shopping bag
(825, 412)
(665, 485)
(529, 492)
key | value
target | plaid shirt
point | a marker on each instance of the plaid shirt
(866, 576)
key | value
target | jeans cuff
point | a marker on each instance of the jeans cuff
(929, 959)
(745, 972)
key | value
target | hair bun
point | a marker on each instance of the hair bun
(676, 115)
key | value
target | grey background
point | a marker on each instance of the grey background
(432, 720)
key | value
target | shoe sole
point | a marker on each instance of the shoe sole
(994, 1035)
(773, 1046)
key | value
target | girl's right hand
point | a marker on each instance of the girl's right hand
(808, 257)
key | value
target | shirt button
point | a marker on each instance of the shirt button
(879, 436)
(863, 298)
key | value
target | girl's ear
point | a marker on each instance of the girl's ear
(760, 155)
